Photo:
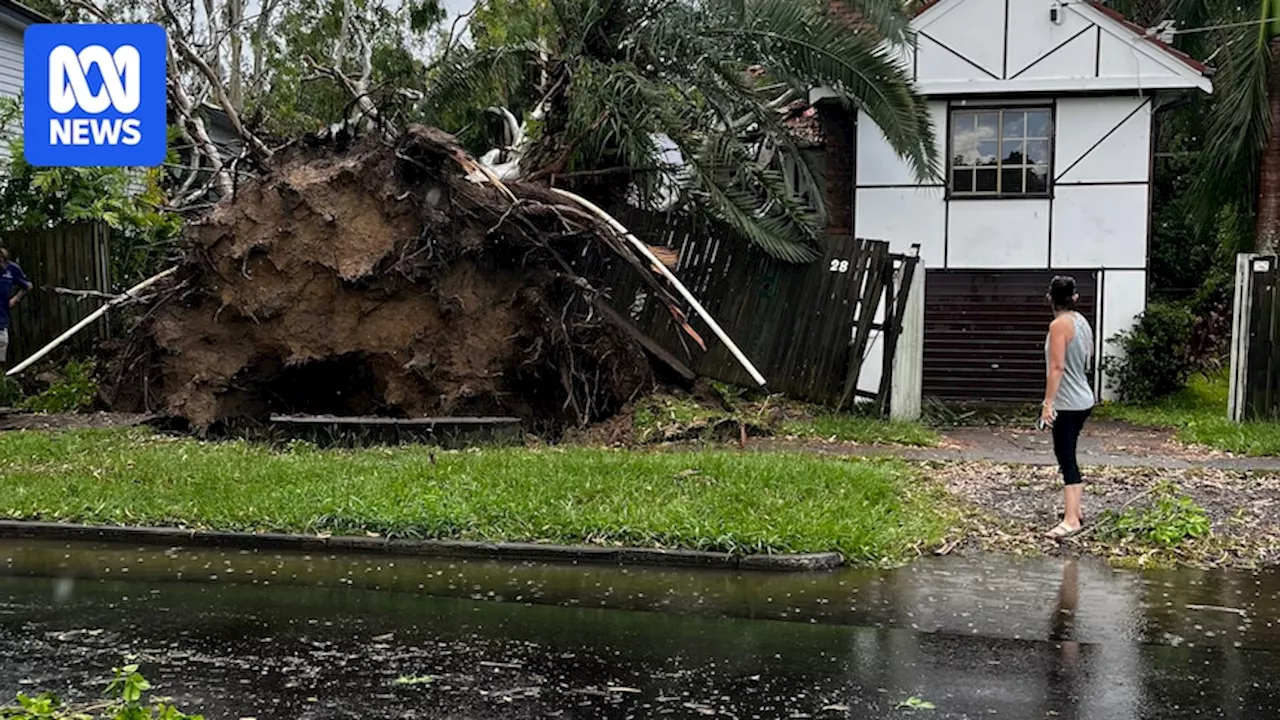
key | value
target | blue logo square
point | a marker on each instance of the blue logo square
(94, 95)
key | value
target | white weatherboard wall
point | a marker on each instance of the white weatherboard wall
(1101, 80)
(10, 78)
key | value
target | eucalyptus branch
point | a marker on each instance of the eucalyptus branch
(233, 115)
(361, 96)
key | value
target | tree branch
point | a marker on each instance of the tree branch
(258, 147)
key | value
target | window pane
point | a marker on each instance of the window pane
(1038, 179)
(1037, 152)
(1015, 124)
(1011, 181)
(1013, 154)
(988, 126)
(985, 180)
(964, 139)
(962, 180)
(988, 151)
(1038, 124)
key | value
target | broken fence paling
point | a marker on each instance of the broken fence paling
(806, 327)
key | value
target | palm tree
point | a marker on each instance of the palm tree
(656, 95)
(1239, 169)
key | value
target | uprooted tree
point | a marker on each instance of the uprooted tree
(400, 276)
(384, 279)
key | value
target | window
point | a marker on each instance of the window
(1000, 153)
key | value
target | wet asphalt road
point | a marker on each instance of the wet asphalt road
(236, 635)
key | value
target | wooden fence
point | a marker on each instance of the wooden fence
(805, 327)
(75, 257)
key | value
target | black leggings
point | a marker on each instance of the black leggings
(1066, 433)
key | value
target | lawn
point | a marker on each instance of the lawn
(1199, 414)
(873, 511)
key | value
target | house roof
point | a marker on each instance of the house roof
(1139, 30)
(20, 14)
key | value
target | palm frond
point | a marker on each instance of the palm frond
(473, 80)
(1239, 128)
(755, 203)
(808, 47)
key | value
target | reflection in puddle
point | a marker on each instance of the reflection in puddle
(308, 636)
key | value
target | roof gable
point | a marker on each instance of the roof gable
(1003, 46)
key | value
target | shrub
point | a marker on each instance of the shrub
(10, 392)
(1155, 358)
(76, 390)
(124, 702)
(1169, 521)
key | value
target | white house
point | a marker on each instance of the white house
(1044, 112)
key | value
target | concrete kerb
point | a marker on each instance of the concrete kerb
(499, 551)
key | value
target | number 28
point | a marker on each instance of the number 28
(840, 266)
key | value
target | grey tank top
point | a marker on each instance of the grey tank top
(1076, 391)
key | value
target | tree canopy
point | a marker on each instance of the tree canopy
(606, 85)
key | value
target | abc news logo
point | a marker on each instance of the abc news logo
(121, 90)
(95, 95)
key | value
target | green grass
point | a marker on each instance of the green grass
(716, 500)
(1199, 414)
(862, 429)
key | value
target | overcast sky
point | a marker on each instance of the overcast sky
(457, 6)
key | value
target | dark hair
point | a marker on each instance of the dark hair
(1062, 292)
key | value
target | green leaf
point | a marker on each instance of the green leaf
(915, 703)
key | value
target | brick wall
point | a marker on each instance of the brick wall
(838, 127)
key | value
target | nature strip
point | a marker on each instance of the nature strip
(499, 551)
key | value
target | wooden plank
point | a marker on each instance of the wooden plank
(847, 303)
(866, 261)
(878, 256)
(893, 327)
(826, 316)
(889, 339)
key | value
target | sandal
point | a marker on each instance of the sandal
(1062, 531)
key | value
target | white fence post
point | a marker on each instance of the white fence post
(907, 388)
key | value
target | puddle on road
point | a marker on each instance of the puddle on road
(267, 635)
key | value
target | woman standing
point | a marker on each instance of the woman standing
(1068, 394)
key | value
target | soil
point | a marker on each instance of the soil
(380, 280)
(68, 421)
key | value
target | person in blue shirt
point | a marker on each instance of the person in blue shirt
(11, 278)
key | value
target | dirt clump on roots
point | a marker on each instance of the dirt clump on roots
(381, 279)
